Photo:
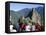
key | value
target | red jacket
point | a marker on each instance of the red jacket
(22, 25)
(38, 27)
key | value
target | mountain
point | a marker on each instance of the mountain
(16, 15)
(40, 10)
(27, 12)
(24, 12)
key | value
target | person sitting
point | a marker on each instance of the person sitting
(33, 27)
(38, 27)
(22, 23)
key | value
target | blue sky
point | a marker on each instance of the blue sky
(18, 6)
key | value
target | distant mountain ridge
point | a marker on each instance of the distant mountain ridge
(27, 12)
(40, 10)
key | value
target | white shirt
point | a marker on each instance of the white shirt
(28, 28)
(33, 27)
(11, 29)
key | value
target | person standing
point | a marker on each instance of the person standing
(33, 26)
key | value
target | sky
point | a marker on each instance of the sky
(19, 6)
